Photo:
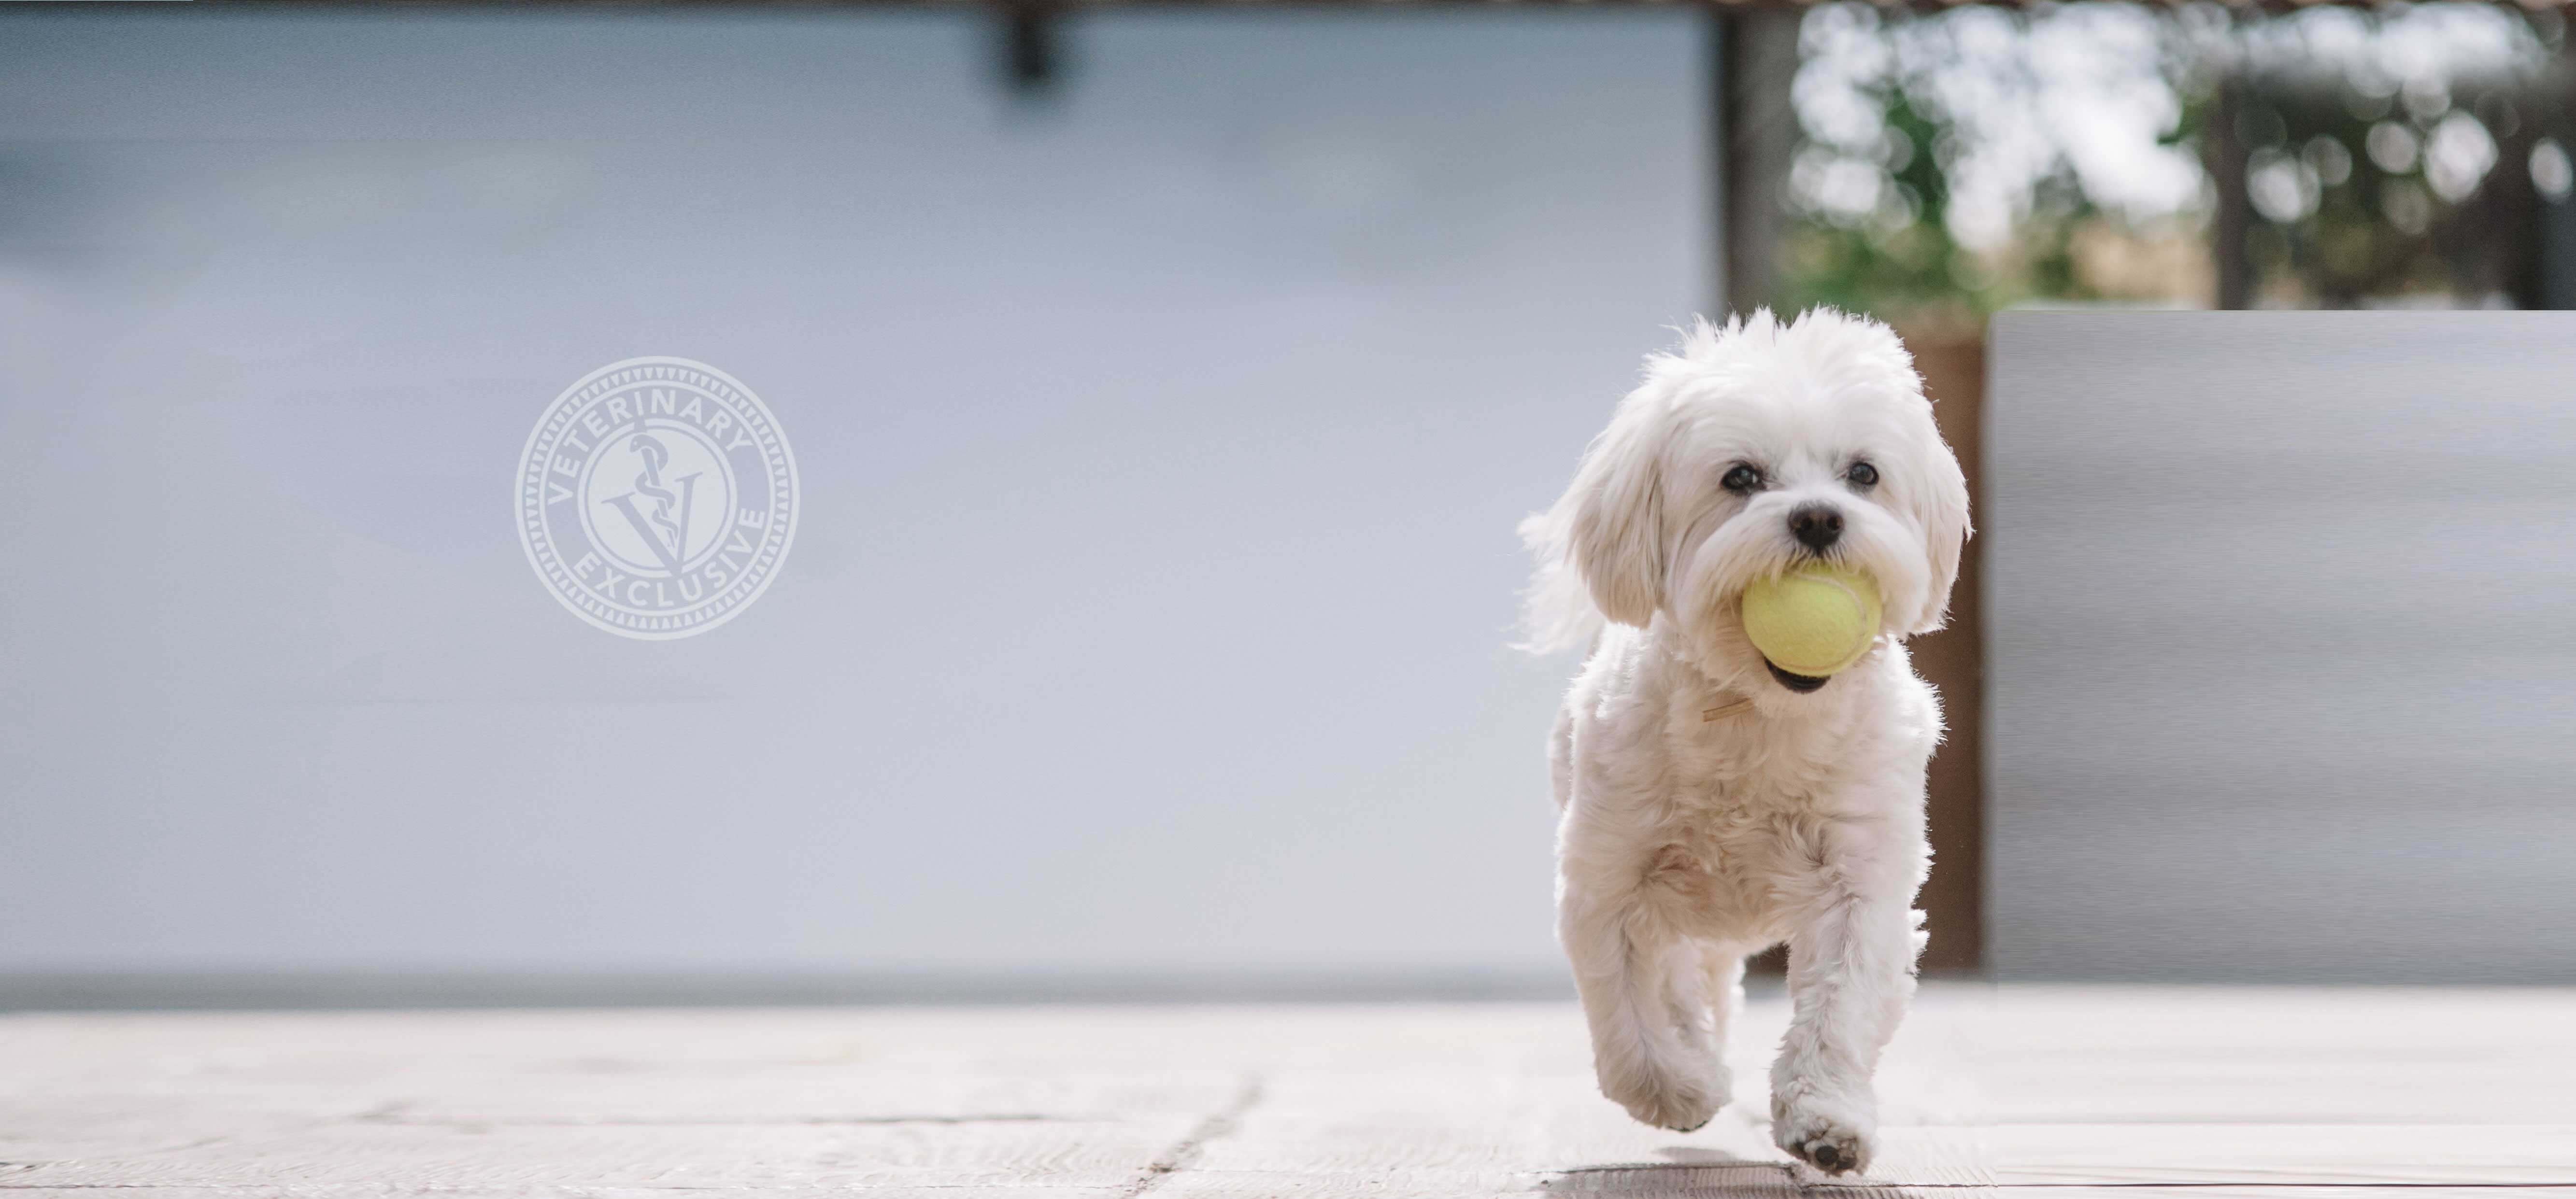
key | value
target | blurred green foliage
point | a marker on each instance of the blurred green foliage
(2386, 153)
(1916, 269)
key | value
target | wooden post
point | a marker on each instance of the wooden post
(1954, 662)
(2551, 111)
(1753, 58)
(2513, 211)
(1754, 131)
(2225, 150)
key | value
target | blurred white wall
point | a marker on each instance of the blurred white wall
(2282, 677)
(1160, 446)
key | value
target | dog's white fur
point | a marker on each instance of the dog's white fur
(1685, 842)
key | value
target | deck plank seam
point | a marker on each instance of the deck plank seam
(1186, 1151)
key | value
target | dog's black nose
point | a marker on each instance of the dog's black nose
(1816, 526)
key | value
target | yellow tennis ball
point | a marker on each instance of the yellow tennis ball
(1814, 621)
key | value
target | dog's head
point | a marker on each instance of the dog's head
(1758, 446)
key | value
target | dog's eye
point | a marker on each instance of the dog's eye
(1862, 474)
(1741, 479)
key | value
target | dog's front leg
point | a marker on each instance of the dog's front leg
(1851, 973)
(1642, 983)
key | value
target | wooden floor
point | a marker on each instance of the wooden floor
(2033, 1093)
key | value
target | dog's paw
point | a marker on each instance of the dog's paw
(1681, 1107)
(1836, 1143)
(1681, 1099)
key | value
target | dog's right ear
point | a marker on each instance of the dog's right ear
(1612, 517)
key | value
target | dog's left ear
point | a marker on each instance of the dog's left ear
(1941, 508)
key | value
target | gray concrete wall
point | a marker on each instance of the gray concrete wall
(2282, 616)
(1161, 447)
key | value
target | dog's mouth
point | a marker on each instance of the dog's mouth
(1800, 683)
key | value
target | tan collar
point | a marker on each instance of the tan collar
(1732, 707)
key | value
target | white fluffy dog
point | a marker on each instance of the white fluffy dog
(1713, 804)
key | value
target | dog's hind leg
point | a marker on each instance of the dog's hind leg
(1644, 989)
(1722, 974)
(1650, 1048)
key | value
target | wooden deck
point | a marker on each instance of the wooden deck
(2277, 1093)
